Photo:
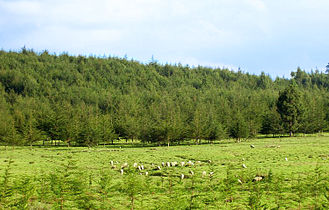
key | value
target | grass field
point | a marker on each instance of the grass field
(294, 174)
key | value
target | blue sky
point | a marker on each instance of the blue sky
(274, 36)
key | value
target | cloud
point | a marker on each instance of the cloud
(236, 32)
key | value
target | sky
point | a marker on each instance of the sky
(273, 36)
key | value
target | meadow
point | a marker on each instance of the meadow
(262, 173)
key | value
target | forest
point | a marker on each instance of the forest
(90, 100)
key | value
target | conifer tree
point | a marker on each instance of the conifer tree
(290, 108)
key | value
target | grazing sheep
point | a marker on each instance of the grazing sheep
(191, 172)
(252, 146)
(142, 167)
(189, 163)
(121, 171)
(163, 164)
(244, 166)
(146, 173)
(182, 176)
(135, 165)
(168, 164)
(209, 161)
(239, 181)
(182, 164)
(286, 159)
(257, 179)
(111, 162)
(173, 164)
(139, 168)
(204, 173)
(157, 168)
(124, 165)
(211, 174)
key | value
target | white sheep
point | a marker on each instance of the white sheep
(182, 176)
(124, 165)
(191, 172)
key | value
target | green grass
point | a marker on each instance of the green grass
(307, 166)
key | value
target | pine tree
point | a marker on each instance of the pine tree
(290, 108)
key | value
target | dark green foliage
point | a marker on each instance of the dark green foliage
(89, 101)
(290, 108)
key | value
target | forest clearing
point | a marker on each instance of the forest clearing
(258, 173)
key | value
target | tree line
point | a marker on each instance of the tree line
(92, 100)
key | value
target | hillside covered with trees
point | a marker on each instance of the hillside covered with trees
(90, 100)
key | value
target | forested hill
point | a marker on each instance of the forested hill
(91, 100)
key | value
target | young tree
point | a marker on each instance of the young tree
(239, 128)
(290, 108)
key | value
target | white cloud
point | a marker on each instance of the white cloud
(193, 31)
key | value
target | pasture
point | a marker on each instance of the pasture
(274, 173)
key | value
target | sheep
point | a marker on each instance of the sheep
(182, 176)
(211, 174)
(239, 181)
(182, 164)
(258, 178)
(204, 173)
(146, 173)
(163, 164)
(157, 168)
(244, 166)
(142, 167)
(168, 164)
(173, 164)
(191, 172)
(189, 163)
(111, 162)
(252, 146)
(121, 171)
(286, 159)
(135, 165)
(124, 165)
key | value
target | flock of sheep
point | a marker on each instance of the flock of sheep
(143, 171)
(158, 167)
